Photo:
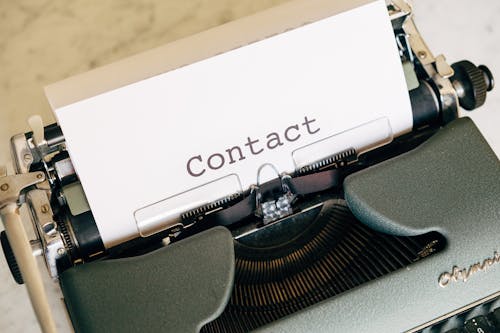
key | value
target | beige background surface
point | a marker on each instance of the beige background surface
(45, 41)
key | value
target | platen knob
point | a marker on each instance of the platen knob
(11, 259)
(471, 83)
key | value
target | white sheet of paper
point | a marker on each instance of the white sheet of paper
(130, 146)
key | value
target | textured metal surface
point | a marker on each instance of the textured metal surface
(450, 184)
(333, 253)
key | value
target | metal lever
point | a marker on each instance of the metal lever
(36, 125)
(10, 189)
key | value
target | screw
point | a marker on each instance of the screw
(45, 209)
(4, 187)
(39, 176)
(61, 251)
(422, 54)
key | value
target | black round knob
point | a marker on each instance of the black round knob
(471, 83)
(488, 77)
(11, 259)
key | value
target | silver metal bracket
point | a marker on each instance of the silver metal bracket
(11, 187)
(52, 244)
(274, 210)
(436, 68)
(21, 153)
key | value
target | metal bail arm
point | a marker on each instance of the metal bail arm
(11, 188)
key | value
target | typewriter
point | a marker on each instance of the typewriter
(394, 230)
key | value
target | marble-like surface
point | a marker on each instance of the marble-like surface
(48, 40)
(42, 42)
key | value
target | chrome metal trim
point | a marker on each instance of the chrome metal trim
(454, 312)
